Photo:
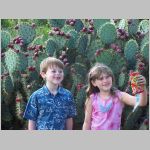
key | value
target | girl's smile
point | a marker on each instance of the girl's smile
(104, 83)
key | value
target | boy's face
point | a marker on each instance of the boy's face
(53, 75)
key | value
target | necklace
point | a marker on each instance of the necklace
(105, 108)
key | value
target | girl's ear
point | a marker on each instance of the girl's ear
(93, 83)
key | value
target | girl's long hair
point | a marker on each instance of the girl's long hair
(95, 73)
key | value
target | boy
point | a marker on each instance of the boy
(51, 107)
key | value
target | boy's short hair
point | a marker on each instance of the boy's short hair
(50, 62)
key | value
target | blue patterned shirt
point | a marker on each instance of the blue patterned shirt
(48, 111)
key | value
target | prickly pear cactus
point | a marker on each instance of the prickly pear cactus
(133, 26)
(122, 44)
(26, 32)
(130, 50)
(82, 46)
(123, 79)
(5, 40)
(57, 22)
(14, 60)
(99, 22)
(108, 33)
(51, 47)
(145, 52)
(8, 85)
(144, 26)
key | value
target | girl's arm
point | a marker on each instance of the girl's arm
(69, 124)
(88, 115)
(31, 125)
(131, 100)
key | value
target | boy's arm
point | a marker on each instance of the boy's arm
(31, 112)
(31, 125)
(69, 124)
(88, 114)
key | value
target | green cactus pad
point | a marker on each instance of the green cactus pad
(82, 45)
(72, 42)
(7, 85)
(105, 57)
(132, 118)
(40, 22)
(80, 69)
(99, 22)
(122, 80)
(61, 41)
(5, 40)
(33, 76)
(67, 28)
(77, 78)
(5, 113)
(78, 25)
(31, 62)
(20, 107)
(27, 33)
(144, 26)
(107, 33)
(80, 103)
(118, 62)
(57, 22)
(15, 61)
(144, 40)
(3, 68)
(95, 45)
(38, 41)
(112, 59)
(145, 52)
(133, 27)
(123, 25)
(131, 47)
(18, 47)
(51, 47)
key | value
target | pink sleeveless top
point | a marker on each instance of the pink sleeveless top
(110, 120)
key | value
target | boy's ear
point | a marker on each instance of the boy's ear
(42, 75)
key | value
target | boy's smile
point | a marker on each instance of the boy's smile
(54, 75)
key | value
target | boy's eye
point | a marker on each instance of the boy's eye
(107, 77)
(60, 71)
(54, 71)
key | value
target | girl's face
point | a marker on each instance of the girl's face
(54, 75)
(104, 83)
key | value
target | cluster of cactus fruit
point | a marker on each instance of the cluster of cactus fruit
(122, 44)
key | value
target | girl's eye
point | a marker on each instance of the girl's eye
(53, 71)
(101, 78)
(106, 77)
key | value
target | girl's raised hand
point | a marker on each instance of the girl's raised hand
(141, 80)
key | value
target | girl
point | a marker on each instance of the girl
(104, 103)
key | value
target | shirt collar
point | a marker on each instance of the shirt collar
(47, 92)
